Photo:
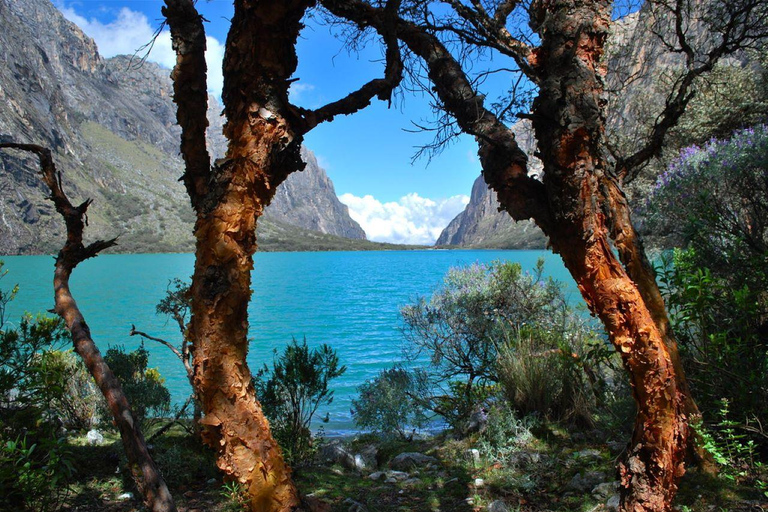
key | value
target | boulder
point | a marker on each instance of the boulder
(498, 506)
(613, 504)
(604, 490)
(411, 460)
(94, 438)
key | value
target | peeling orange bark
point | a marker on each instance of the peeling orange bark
(569, 120)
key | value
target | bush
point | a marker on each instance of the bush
(387, 404)
(550, 374)
(479, 330)
(34, 477)
(293, 391)
(143, 387)
(721, 332)
(715, 199)
(504, 434)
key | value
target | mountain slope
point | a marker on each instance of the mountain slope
(111, 124)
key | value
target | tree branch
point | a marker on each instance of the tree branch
(190, 93)
(380, 87)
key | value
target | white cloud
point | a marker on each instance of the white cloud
(298, 91)
(130, 31)
(411, 220)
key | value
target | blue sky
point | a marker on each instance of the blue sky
(367, 155)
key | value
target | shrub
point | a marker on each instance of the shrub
(549, 374)
(477, 331)
(722, 338)
(292, 392)
(715, 198)
(504, 434)
(34, 477)
(387, 404)
(143, 387)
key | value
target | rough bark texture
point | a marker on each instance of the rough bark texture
(148, 479)
(569, 116)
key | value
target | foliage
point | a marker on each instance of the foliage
(34, 477)
(143, 387)
(732, 96)
(551, 373)
(505, 434)
(176, 303)
(479, 329)
(720, 327)
(387, 404)
(715, 198)
(293, 391)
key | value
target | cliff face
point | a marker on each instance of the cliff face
(111, 124)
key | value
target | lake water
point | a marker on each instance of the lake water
(349, 300)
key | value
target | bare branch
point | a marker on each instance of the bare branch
(381, 87)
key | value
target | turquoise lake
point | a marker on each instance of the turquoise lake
(349, 300)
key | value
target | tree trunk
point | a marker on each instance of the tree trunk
(263, 150)
(569, 120)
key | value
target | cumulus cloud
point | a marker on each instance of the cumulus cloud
(411, 220)
(129, 33)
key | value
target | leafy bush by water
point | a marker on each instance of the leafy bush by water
(292, 392)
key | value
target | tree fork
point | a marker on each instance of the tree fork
(145, 473)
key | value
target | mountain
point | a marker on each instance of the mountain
(111, 125)
(482, 225)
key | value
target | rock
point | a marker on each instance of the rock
(585, 482)
(125, 496)
(336, 453)
(377, 475)
(370, 455)
(604, 490)
(399, 476)
(390, 480)
(355, 506)
(613, 504)
(474, 456)
(412, 481)
(94, 437)
(411, 460)
(498, 506)
(479, 482)
(477, 421)
(589, 453)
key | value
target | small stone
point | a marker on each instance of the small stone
(479, 482)
(498, 506)
(613, 504)
(397, 475)
(474, 455)
(586, 481)
(355, 506)
(376, 475)
(412, 481)
(211, 481)
(390, 481)
(125, 496)
(589, 453)
(605, 489)
(94, 437)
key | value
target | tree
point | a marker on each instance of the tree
(265, 132)
(579, 203)
(144, 470)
